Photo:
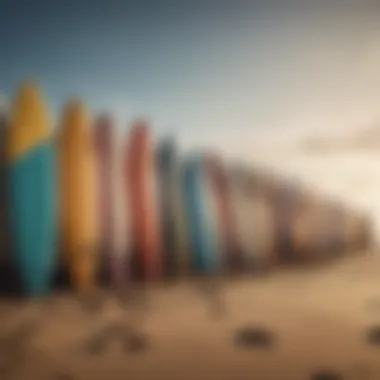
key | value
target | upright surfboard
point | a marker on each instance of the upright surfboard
(113, 208)
(78, 186)
(181, 221)
(4, 212)
(307, 229)
(201, 217)
(141, 177)
(176, 252)
(286, 200)
(166, 166)
(236, 261)
(6, 268)
(262, 230)
(32, 190)
(335, 228)
(221, 192)
(242, 216)
(321, 230)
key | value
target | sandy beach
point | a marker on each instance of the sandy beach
(317, 319)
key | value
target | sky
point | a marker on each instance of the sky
(200, 67)
(250, 78)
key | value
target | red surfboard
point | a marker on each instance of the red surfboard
(141, 177)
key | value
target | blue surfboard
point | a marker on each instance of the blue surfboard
(32, 191)
(200, 221)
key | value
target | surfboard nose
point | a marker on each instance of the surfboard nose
(76, 119)
(78, 195)
(139, 138)
(104, 133)
(104, 123)
(29, 121)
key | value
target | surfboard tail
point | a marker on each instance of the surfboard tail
(83, 270)
(33, 216)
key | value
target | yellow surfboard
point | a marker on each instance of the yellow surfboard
(78, 187)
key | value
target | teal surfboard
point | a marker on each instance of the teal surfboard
(32, 191)
(203, 241)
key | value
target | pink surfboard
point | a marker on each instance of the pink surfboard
(113, 203)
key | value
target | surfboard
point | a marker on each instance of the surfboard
(242, 216)
(252, 219)
(336, 227)
(141, 177)
(6, 267)
(181, 221)
(200, 214)
(237, 257)
(286, 199)
(32, 190)
(216, 222)
(173, 210)
(224, 224)
(263, 232)
(4, 214)
(78, 186)
(166, 167)
(308, 229)
(112, 197)
(323, 228)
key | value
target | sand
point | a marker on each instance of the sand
(318, 318)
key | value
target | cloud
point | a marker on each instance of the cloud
(367, 139)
